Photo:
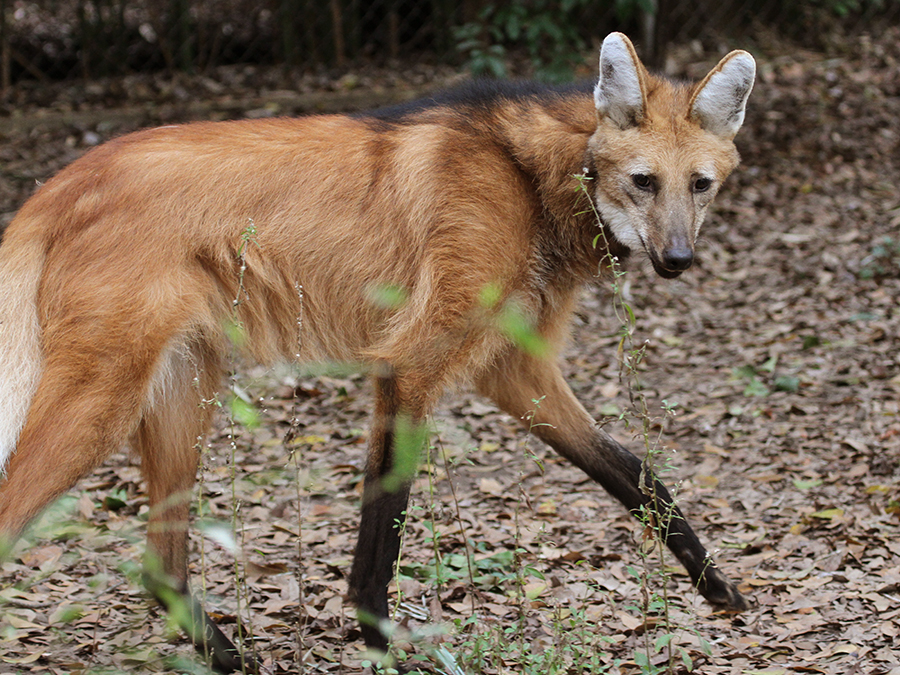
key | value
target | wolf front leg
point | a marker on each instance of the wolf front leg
(385, 497)
(563, 423)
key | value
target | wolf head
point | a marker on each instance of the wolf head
(662, 150)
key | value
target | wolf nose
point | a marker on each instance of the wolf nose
(678, 258)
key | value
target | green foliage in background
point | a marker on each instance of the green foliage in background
(547, 30)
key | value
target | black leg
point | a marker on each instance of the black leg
(622, 474)
(385, 498)
(207, 638)
(562, 422)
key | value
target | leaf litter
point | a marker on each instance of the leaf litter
(779, 348)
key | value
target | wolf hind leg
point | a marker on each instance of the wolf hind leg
(168, 439)
(75, 421)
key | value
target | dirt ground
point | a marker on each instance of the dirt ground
(780, 349)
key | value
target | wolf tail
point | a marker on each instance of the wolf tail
(21, 264)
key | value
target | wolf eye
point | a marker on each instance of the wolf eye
(702, 184)
(643, 181)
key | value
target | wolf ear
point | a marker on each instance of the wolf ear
(619, 94)
(719, 102)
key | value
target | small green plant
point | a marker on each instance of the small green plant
(760, 380)
(883, 261)
(484, 572)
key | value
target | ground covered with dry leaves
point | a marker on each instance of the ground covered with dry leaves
(779, 351)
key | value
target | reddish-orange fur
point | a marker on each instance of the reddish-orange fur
(148, 246)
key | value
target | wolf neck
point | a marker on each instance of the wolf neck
(548, 140)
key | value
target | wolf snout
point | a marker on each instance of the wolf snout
(677, 258)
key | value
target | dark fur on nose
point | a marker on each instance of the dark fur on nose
(677, 258)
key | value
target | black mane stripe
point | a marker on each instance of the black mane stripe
(479, 94)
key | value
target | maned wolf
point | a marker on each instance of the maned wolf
(118, 279)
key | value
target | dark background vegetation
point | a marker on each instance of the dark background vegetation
(52, 39)
(780, 348)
